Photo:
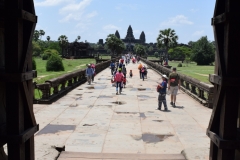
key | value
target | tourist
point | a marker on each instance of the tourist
(162, 93)
(112, 66)
(173, 86)
(94, 73)
(124, 81)
(130, 74)
(124, 70)
(89, 74)
(143, 72)
(119, 79)
(122, 61)
(140, 68)
(120, 65)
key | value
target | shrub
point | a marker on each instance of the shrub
(54, 63)
(179, 65)
(45, 56)
(34, 64)
(48, 52)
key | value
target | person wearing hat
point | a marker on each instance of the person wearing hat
(119, 79)
(89, 73)
(162, 90)
(173, 85)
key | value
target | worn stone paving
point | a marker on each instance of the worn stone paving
(92, 118)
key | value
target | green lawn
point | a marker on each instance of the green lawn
(193, 70)
(69, 65)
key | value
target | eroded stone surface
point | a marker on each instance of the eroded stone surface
(99, 121)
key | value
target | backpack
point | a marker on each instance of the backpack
(158, 88)
(118, 77)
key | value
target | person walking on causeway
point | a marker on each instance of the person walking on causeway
(119, 79)
(94, 73)
(143, 72)
(89, 73)
(161, 89)
(174, 84)
(112, 66)
(140, 68)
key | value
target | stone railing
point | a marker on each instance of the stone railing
(57, 87)
(200, 91)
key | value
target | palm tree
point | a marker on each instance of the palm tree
(167, 38)
(63, 41)
(48, 38)
(78, 38)
(41, 33)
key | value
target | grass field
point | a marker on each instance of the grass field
(69, 65)
(192, 69)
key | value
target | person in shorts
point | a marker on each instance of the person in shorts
(173, 86)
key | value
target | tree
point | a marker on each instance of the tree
(167, 38)
(156, 54)
(36, 48)
(150, 49)
(115, 44)
(78, 38)
(48, 38)
(36, 35)
(41, 33)
(180, 52)
(203, 52)
(140, 49)
(63, 41)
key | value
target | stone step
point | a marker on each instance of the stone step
(118, 156)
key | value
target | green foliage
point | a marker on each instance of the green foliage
(150, 49)
(54, 63)
(140, 49)
(115, 44)
(187, 60)
(54, 45)
(63, 42)
(36, 35)
(167, 38)
(156, 54)
(48, 52)
(179, 65)
(180, 52)
(203, 52)
(34, 66)
(37, 50)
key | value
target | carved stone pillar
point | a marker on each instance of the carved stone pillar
(70, 82)
(63, 85)
(193, 89)
(187, 86)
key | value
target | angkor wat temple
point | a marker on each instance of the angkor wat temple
(130, 42)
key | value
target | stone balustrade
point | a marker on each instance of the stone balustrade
(200, 91)
(57, 87)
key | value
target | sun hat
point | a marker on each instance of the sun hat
(119, 69)
(164, 76)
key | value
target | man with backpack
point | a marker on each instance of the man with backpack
(161, 89)
(173, 85)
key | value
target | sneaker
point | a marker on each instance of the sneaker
(165, 109)
(174, 105)
(171, 103)
(157, 109)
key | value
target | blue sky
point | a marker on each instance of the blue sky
(95, 19)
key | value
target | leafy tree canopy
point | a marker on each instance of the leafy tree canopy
(167, 38)
(140, 49)
(115, 44)
(203, 51)
(180, 52)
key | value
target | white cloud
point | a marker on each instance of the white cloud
(76, 11)
(194, 10)
(47, 3)
(110, 28)
(176, 21)
(198, 33)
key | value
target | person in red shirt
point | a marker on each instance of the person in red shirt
(119, 79)
(122, 60)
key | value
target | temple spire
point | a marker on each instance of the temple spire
(130, 33)
(117, 34)
(142, 37)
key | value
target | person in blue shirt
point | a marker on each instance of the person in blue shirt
(112, 65)
(162, 89)
(89, 73)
